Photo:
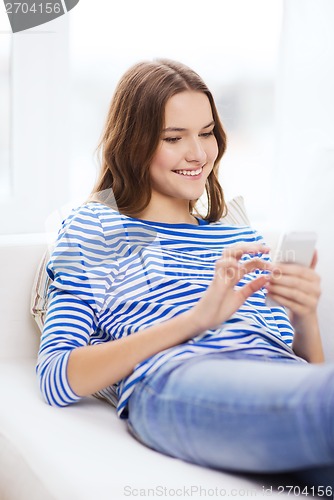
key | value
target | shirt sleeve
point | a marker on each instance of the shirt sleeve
(81, 267)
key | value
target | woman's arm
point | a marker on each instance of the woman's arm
(69, 368)
(92, 368)
(298, 288)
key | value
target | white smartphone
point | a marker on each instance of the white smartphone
(295, 247)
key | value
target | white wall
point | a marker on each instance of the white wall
(304, 173)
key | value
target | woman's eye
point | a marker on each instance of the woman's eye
(171, 139)
(207, 134)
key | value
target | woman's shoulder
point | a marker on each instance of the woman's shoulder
(97, 208)
(92, 214)
(89, 222)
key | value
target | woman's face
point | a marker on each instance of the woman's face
(187, 150)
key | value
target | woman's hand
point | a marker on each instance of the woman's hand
(298, 288)
(221, 300)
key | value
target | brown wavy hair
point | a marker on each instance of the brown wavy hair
(132, 133)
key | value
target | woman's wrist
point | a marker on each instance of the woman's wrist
(196, 322)
(305, 324)
(307, 340)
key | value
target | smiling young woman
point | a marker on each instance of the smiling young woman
(137, 128)
(164, 313)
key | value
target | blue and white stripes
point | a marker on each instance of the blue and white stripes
(114, 275)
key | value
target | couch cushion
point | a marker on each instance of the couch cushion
(84, 451)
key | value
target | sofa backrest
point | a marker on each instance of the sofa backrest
(19, 258)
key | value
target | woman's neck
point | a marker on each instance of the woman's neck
(175, 213)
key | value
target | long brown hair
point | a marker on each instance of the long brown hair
(133, 131)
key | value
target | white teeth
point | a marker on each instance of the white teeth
(189, 172)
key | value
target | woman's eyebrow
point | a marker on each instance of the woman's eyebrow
(180, 129)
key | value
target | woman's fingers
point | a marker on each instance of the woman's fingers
(239, 267)
(295, 277)
(222, 298)
(240, 249)
(296, 287)
(295, 307)
(251, 265)
(232, 270)
(253, 286)
(293, 294)
(298, 308)
(227, 269)
(294, 282)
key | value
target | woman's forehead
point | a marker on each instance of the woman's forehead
(188, 108)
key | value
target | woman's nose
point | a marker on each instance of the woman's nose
(196, 151)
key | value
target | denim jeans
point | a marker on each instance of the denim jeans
(229, 412)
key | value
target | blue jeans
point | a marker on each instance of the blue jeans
(229, 412)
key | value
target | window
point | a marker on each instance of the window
(63, 75)
(38, 168)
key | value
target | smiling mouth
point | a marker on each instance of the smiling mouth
(189, 173)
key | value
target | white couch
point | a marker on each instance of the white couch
(82, 452)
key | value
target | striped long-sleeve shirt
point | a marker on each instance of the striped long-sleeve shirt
(114, 275)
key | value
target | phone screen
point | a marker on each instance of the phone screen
(297, 247)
